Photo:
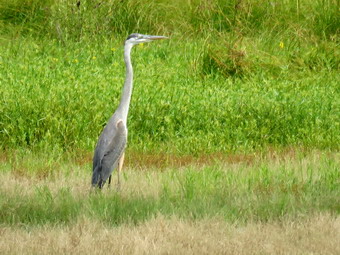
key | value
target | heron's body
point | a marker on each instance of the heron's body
(109, 152)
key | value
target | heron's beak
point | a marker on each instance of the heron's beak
(155, 37)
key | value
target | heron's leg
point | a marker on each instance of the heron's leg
(109, 184)
(100, 184)
(120, 166)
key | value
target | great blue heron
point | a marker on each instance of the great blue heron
(109, 152)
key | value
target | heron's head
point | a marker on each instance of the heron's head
(136, 38)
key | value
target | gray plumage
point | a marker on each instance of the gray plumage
(109, 152)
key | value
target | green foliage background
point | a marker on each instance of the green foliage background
(237, 76)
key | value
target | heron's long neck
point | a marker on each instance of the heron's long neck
(127, 89)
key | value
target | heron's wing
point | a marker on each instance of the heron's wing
(114, 150)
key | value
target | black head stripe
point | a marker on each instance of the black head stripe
(134, 35)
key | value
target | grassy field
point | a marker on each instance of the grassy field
(261, 203)
(234, 123)
(315, 235)
(56, 96)
(240, 90)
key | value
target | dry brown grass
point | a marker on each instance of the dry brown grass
(147, 179)
(144, 179)
(143, 183)
(138, 160)
(316, 235)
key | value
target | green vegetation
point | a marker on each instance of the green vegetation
(62, 97)
(245, 77)
(236, 77)
(265, 191)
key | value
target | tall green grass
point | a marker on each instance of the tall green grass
(64, 19)
(241, 75)
(62, 96)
